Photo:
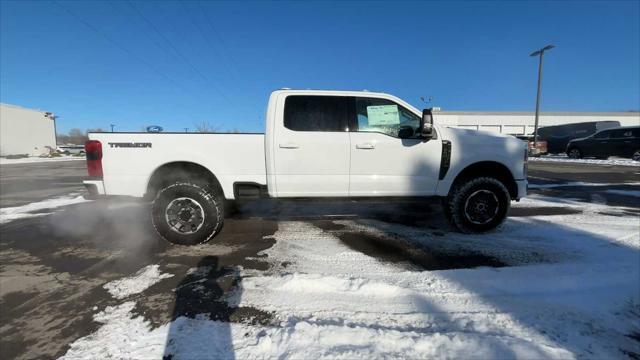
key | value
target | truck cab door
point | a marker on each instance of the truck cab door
(388, 156)
(311, 146)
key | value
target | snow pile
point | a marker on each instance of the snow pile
(139, 282)
(124, 336)
(565, 159)
(36, 209)
(35, 159)
(563, 307)
(331, 301)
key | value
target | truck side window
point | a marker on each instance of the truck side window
(316, 113)
(385, 116)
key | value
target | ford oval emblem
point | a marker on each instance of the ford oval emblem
(154, 128)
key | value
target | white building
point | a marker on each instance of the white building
(521, 123)
(26, 131)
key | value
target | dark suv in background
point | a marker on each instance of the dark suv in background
(558, 136)
(620, 141)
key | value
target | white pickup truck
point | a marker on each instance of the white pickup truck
(338, 144)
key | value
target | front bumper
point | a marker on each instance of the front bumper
(522, 188)
(95, 189)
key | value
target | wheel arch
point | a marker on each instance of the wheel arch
(492, 169)
(180, 170)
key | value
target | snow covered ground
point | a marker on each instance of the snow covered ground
(565, 159)
(569, 290)
(39, 208)
(35, 159)
(137, 283)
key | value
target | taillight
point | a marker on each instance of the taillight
(93, 149)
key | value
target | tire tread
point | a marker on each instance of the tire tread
(455, 202)
(210, 195)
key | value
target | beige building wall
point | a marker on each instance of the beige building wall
(521, 123)
(25, 131)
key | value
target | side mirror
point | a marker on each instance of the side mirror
(426, 124)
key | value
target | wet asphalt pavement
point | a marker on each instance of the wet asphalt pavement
(26, 183)
(54, 266)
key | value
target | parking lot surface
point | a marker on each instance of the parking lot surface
(91, 279)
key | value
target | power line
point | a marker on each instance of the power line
(174, 48)
(224, 47)
(197, 25)
(177, 52)
(116, 44)
(147, 33)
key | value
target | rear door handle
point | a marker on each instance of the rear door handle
(366, 146)
(289, 146)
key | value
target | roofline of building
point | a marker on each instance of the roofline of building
(545, 113)
(23, 108)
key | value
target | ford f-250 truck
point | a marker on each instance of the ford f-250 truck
(338, 144)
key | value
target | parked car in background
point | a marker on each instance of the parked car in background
(71, 149)
(621, 141)
(540, 146)
(557, 137)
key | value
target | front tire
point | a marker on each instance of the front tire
(187, 213)
(478, 205)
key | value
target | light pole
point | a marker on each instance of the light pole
(535, 126)
(112, 126)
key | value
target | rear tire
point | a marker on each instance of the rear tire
(574, 153)
(187, 213)
(478, 205)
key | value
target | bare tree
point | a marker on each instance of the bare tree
(205, 126)
(76, 137)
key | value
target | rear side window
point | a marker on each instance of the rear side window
(316, 113)
(602, 135)
(621, 133)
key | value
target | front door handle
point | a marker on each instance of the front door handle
(365, 146)
(289, 146)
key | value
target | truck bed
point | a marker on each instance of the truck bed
(130, 159)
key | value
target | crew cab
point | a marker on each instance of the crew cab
(317, 144)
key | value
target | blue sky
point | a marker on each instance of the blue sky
(175, 64)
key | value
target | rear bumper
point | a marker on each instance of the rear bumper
(95, 188)
(522, 188)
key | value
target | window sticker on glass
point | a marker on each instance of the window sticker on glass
(383, 115)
